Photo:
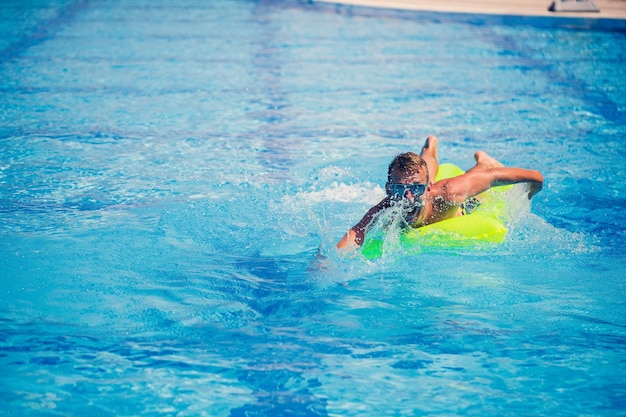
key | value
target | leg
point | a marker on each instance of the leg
(429, 155)
(484, 161)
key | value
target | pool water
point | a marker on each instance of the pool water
(174, 176)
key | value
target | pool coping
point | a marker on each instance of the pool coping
(609, 9)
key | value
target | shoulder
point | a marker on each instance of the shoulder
(452, 190)
(444, 187)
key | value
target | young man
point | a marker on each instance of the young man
(410, 183)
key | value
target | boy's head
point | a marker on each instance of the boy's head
(407, 178)
(407, 168)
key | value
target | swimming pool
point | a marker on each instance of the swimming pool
(170, 170)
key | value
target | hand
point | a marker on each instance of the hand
(533, 189)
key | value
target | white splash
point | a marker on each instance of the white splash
(339, 192)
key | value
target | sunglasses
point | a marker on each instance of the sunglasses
(398, 191)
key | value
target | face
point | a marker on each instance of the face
(407, 185)
(408, 188)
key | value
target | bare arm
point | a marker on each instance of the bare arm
(457, 190)
(355, 236)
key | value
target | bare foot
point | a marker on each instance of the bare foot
(431, 156)
(484, 161)
(431, 146)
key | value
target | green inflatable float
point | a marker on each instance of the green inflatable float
(483, 225)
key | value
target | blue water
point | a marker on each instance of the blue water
(174, 176)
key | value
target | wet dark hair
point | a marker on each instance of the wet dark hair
(408, 162)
